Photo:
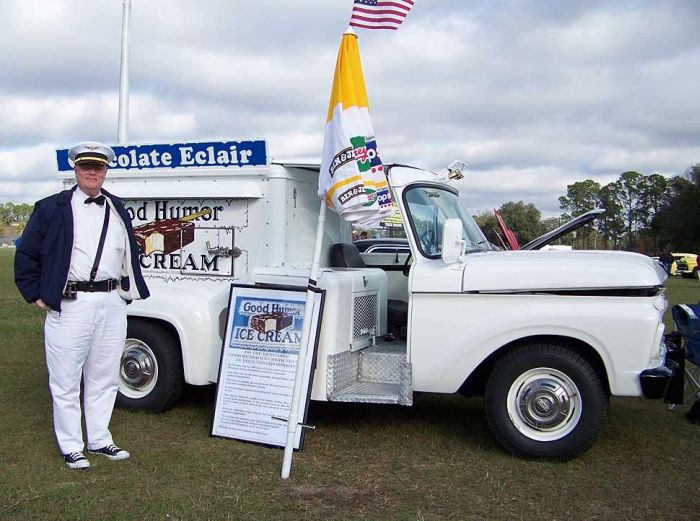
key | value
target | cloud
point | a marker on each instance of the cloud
(533, 95)
(27, 173)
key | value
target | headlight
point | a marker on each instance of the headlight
(660, 302)
(658, 357)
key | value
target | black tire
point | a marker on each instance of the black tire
(150, 371)
(695, 274)
(545, 401)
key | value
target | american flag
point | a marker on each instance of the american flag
(379, 14)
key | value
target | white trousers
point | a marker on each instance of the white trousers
(85, 341)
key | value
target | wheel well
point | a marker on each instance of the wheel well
(167, 326)
(475, 382)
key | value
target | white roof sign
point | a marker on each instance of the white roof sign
(190, 155)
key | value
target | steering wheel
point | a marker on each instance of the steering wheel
(428, 240)
(406, 266)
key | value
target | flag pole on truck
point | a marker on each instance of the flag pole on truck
(123, 122)
(352, 179)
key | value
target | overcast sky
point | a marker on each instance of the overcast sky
(533, 95)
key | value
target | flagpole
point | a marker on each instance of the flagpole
(123, 123)
(304, 348)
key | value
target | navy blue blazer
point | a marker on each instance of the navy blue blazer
(42, 259)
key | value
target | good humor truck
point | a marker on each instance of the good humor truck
(545, 336)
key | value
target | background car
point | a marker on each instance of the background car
(686, 265)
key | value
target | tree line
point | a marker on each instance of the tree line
(645, 213)
(17, 214)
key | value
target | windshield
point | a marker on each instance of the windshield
(428, 207)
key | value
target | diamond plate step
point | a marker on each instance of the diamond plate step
(383, 363)
(378, 374)
(369, 392)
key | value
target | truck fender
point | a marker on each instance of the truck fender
(198, 327)
(584, 344)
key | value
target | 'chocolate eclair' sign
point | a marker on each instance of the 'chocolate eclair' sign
(168, 156)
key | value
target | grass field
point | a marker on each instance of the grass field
(433, 461)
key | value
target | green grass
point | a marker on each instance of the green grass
(435, 460)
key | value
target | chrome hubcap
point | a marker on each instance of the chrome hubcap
(544, 404)
(138, 369)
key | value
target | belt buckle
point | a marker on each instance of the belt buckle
(70, 292)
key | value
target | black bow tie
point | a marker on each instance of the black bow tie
(100, 200)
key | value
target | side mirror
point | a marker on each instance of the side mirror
(452, 243)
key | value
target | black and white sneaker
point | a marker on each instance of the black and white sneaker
(111, 452)
(76, 460)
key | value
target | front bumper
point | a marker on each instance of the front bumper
(667, 380)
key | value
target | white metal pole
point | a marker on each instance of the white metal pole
(293, 420)
(123, 124)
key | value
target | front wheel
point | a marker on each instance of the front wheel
(545, 401)
(150, 372)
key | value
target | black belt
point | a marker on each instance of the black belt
(84, 285)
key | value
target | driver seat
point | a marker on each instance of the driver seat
(345, 255)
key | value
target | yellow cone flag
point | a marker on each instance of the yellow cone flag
(352, 179)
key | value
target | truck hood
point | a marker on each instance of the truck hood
(573, 224)
(534, 270)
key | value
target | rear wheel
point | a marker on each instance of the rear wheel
(545, 401)
(150, 372)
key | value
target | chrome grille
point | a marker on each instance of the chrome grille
(364, 318)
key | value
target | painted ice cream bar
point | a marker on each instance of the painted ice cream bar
(168, 235)
(275, 321)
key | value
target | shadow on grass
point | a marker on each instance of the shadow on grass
(451, 417)
(198, 396)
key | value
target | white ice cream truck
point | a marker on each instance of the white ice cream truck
(545, 336)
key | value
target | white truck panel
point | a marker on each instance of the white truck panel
(268, 213)
(169, 188)
(541, 270)
(194, 309)
(624, 332)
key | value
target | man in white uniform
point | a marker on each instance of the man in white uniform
(78, 261)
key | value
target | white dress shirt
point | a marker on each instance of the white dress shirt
(87, 227)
